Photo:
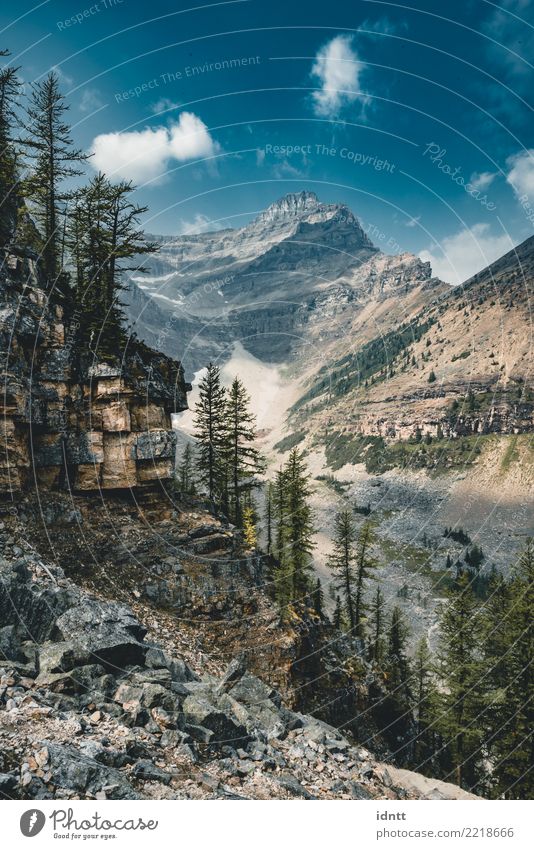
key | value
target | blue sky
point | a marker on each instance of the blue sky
(419, 118)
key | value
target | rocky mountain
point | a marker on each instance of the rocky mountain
(412, 399)
(267, 283)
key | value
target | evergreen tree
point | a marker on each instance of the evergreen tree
(398, 705)
(250, 536)
(337, 619)
(318, 597)
(55, 159)
(186, 471)
(106, 242)
(210, 433)
(342, 562)
(377, 622)
(244, 460)
(282, 574)
(9, 91)
(269, 517)
(365, 565)
(461, 700)
(299, 524)
(512, 739)
(425, 694)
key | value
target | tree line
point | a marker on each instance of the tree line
(224, 464)
(86, 235)
(464, 713)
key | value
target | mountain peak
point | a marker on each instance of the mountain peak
(290, 205)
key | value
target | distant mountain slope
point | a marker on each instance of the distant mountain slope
(462, 364)
(268, 284)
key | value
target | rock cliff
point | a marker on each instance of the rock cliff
(69, 419)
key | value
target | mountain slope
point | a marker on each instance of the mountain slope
(268, 284)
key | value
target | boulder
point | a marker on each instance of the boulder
(109, 630)
(200, 711)
(71, 769)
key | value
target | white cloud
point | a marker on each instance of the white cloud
(483, 180)
(338, 70)
(164, 104)
(199, 224)
(147, 154)
(465, 253)
(90, 100)
(413, 222)
(521, 173)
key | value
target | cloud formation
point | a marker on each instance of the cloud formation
(521, 173)
(465, 253)
(483, 180)
(338, 70)
(145, 155)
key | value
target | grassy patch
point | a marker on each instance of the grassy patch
(437, 456)
(376, 360)
(511, 455)
(339, 487)
(416, 560)
(290, 441)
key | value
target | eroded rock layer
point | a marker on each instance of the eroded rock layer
(69, 418)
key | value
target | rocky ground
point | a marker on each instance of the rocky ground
(92, 706)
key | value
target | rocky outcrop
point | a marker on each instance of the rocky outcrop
(69, 419)
(90, 708)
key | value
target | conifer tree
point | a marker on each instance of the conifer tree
(461, 701)
(244, 460)
(299, 523)
(377, 623)
(283, 584)
(186, 471)
(425, 695)
(106, 242)
(318, 597)
(396, 708)
(512, 740)
(337, 619)
(9, 91)
(55, 159)
(210, 433)
(365, 565)
(250, 536)
(269, 517)
(342, 562)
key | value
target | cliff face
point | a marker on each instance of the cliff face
(69, 419)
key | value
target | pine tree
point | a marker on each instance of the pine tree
(365, 565)
(342, 562)
(318, 597)
(337, 619)
(398, 705)
(425, 694)
(244, 460)
(55, 159)
(269, 517)
(250, 536)
(210, 433)
(9, 91)
(512, 741)
(106, 243)
(461, 701)
(186, 472)
(299, 524)
(377, 621)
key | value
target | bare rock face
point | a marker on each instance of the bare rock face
(68, 418)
